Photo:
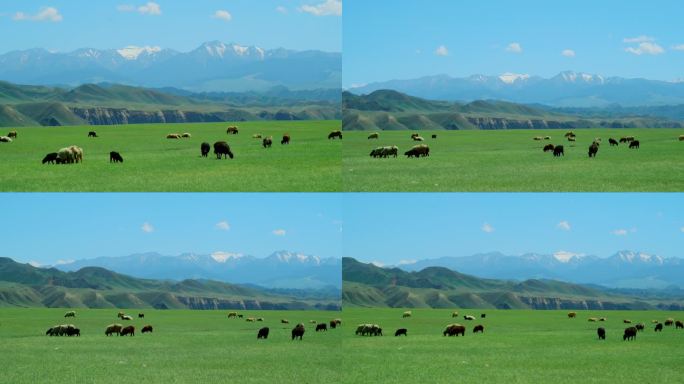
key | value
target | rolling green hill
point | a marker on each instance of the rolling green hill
(392, 110)
(366, 285)
(23, 285)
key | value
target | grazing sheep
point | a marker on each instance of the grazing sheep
(65, 156)
(78, 153)
(267, 142)
(400, 331)
(454, 329)
(537, 138)
(385, 151)
(263, 333)
(547, 137)
(681, 137)
(322, 327)
(256, 136)
(232, 315)
(593, 149)
(186, 135)
(592, 319)
(634, 144)
(233, 130)
(313, 321)
(630, 138)
(205, 148)
(5, 139)
(454, 314)
(679, 324)
(73, 331)
(569, 134)
(548, 147)
(571, 138)
(558, 151)
(434, 136)
(333, 324)
(284, 321)
(417, 151)
(612, 142)
(115, 157)
(669, 322)
(407, 314)
(627, 321)
(221, 148)
(478, 328)
(113, 328)
(572, 315)
(50, 158)
(630, 334)
(260, 319)
(655, 321)
(298, 331)
(483, 315)
(92, 134)
(147, 328)
(376, 330)
(286, 139)
(373, 135)
(120, 314)
(640, 326)
(12, 134)
(126, 317)
(360, 329)
(141, 315)
(623, 140)
(601, 333)
(334, 134)
(602, 319)
(129, 330)
(240, 316)
(70, 314)
(418, 138)
(173, 136)
(337, 321)
(659, 327)
(250, 319)
(468, 317)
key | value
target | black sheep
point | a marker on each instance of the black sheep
(601, 333)
(634, 144)
(298, 331)
(321, 327)
(558, 151)
(630, 334)
(400, 331)
(612, 142)
(478, 328)
(92, 134)
(285, 140)
(205, 148)
(334, 134)
(263, 333)
(267, 142)
(548, 147)
(593, 149)
(115, 157)
(50, 158)
(222, 149)
(659, 327)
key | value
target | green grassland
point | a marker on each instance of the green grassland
(510, 160)
(186, 346)
(518, 346)
(310, 162)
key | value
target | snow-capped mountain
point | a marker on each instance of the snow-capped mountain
(566, 89)
(213, 66)
(624, 269)
(281, 269)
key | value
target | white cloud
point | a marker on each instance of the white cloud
(442, 51)
(150, 8)
(514, 47)
(147, 227)
(378, 263)
(647, 48)
(623, 231)
(638, 39)
(44, 14)
(223, 225)
(281, 9)
(568, 53)
(222, 15)
(279, 232)
(326, 8)
(222, 257)
(679, 47)
(487, 228)
(564, 225)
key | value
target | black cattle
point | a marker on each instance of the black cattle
(115, 157)
(630, 334)
(92, 134)
(558, 151)
(400, 331)
(321, 327)
(263, 333)
(222, 149)
(205, 148)
(593, 149)
(601, 333)
(634, 144)
(659, 327)
(612, 142)
(50, 158)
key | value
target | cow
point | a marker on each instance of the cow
(70, 314)
(92, 134)
(454, 329)
(659, 327)
(222, 149)
(321, 327)
(601, 333)
(147, 328)
(115, 157)
(286, 139)
(335, 134)
(478, 328)
(548, 147)
(612, 142)
(129, 330)
(373, 135)
(400, 331)
(558, 151)
(233, 130)
(634, 144)
(205, 148)
(263, 333)
(593, 149)
(267, 141)
(630, 334)
(50, 158)
(298, 331)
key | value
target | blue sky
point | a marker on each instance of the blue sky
(395, 227)
(45, 228)
(384, 41)
(65, 25)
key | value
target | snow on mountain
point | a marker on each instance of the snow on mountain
(222, 257)
(632, 257)
(289, 257)
(510, 78)
(566, 257)
(132, 52)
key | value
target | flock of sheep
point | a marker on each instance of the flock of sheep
(111, 329)
(453, 329)
(630, 332)
(420, 150)
(558, 150)
(297, 332)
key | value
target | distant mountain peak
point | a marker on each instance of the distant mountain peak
(289, 257)
(222, 257)
(574, 77)
(510, 78)
(566, 257)
(633, 256)
(132, 52)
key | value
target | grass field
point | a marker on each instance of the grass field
(516, 347)
(185, 347)
(310, 162)
(511, 161)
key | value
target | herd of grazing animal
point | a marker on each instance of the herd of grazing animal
(558, 150)
(420, 150)
(630, 333)
(297, 332)
(111, 329)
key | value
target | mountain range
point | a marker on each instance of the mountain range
(624, 269)
(213, 66)
(566, 89)
(367, 285)
(282, 269)
(387, 109)
(23, 285)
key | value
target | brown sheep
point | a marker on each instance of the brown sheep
(333, 324)
(322, 327)
(679, 324)
(233, 130)
(417, 151)
(478, 328)
(572, 315)
(298, 331)
(113, 328)
(173, 136)
(454, 329)
(286, 139)
(129, 330)
(548, 148)
(147, 328)
(373, 135)
(630, 334)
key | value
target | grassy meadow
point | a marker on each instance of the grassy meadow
(517, 346)
(153, 163)
(489, 161)
(186, 346)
